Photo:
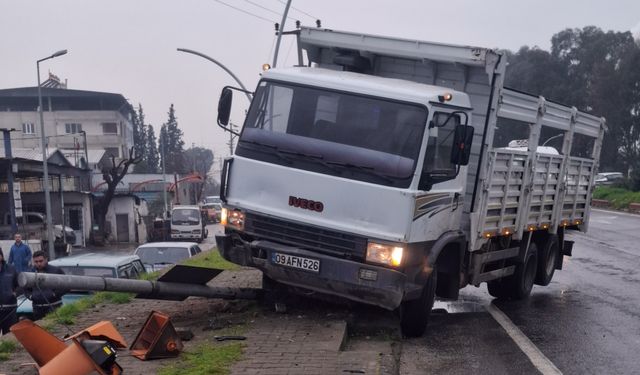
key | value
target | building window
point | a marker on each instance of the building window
(109, 128)
(72, 128)
(28, 128)
(112, 151)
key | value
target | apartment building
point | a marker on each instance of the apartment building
(79, 123)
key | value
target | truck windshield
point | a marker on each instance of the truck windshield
(185, 216)
(349, 135)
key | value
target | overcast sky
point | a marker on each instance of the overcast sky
(129, 46)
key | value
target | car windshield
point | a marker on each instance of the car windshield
(89, 271)
(348, 135)
(209, 200)
(185, 216)
(159, 255)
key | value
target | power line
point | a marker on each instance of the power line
(245, 11)
(267, 9)
(298, 10)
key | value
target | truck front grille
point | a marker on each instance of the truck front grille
(306, 237)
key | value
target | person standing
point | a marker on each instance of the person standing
(45, 300)
(8, 301)
(20, 254)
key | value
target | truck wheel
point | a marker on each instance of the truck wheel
(547, 260)
(414, 315)
(517, 286)
(522, 280)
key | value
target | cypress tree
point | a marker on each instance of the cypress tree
(152, 157)
(174, 144)
(140, 141)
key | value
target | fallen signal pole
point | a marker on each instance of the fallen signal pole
(177, 284)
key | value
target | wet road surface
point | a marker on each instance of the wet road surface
(587, 321)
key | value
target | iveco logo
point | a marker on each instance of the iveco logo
(306, 204)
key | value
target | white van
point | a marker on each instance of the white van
(186, 223)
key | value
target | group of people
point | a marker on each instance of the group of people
(21, 259)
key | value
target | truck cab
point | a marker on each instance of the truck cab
(340, 178)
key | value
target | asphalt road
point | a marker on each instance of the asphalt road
(587, 321)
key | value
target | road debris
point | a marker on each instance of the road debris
(157, 339)
(229, 338)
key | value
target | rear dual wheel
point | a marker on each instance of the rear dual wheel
(549, 254)
(517, 286)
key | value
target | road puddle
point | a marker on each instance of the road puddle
(457, 307)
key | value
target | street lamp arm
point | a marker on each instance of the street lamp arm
(554, 137)
(220, 65)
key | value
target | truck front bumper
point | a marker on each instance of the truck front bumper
(380, 286)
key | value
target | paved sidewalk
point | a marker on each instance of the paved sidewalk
(287, 344)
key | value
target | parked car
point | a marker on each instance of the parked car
(211, 199)
(33, 225)
(158, 255)
(609, 178)
(90, 264)
(212, 212)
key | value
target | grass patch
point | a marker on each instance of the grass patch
(6, 348)
(206, 358)
(67, 313)
(619, 198)
(210, 259)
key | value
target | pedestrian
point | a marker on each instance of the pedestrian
(20, 254)
(45, 300)
(8, 301)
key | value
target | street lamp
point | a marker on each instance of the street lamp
(550, 138)
(220, 65)
(45, 167)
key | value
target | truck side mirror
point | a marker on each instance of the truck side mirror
(462, 140)
(224, 106)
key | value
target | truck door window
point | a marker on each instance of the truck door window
(440, 143)
(275, 106)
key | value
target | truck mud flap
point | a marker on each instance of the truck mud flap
(567, 247)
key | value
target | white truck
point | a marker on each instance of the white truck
(369, 171)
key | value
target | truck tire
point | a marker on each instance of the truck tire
(548, 256)
(521, 282)
(517, 286)
(414, 314)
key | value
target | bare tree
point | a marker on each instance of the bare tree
(112, 175)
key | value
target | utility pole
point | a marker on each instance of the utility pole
(193, 157)
(6, 133)
(232, 137)
(45, 162)
(284, 18)
(164, 177)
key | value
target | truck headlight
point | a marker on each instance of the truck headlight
(389, 255)
(232, 218)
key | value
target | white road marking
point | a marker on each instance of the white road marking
(539, 360)
(637, 216)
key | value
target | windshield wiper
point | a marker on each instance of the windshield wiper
(367, 170)
(315, 158)
(276, 150)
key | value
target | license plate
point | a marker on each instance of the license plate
(293, 261)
